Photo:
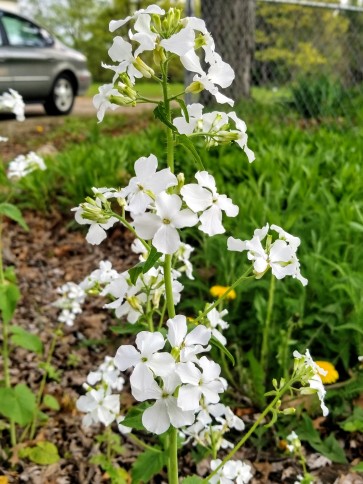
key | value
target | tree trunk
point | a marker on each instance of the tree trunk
(232, 25)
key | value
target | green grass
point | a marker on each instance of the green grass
(146, 89)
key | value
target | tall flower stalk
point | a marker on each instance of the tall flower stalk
(172, 370)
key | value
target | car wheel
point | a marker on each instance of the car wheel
(61, 98)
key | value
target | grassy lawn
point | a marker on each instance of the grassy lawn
(146, 89)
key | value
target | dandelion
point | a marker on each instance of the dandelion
(331, 373)
(219, 291)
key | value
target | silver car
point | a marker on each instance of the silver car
(38, 66)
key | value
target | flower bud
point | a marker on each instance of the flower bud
(145, 70)
(199, 41)
(159, 55)
(122, 100)
(195, 87)
(289, 411)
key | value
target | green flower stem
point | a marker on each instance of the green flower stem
(131, 228)
(147, 100)
(172, 442)
(169, 132)
(266, 329)
(142, 444)
(42, 384)
(162, 315)
(173, 470)
(242, 278)
(169, 286)
(251, 431)
(5, 334)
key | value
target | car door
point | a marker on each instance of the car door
(27, 57)
(5, 77)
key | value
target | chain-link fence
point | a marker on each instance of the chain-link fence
(308, 55)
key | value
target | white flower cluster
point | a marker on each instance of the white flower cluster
(212, 422)
(215, 127)
(12, 102)
(99, 403)
(168, 35)
(309, 373)
(279, 256)
(22, 165)
(70, 302)
(176, 380)
(233, 471)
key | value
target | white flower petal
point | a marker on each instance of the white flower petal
(156, 419)
(127, 356)
(95, 234)
(166, 240)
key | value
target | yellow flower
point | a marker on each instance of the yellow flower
(332, 374)
(218, 291)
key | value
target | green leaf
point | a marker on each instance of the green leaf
(358, 467)
(183, 107)
(52, 372)
(331, 449)
(223, 349)
(9, 296)
(153, 257)
(192, 480)
(159, 113)
(133, 417)
(18, 404)
(26, 340)
(147, 465)
(51, 402)
(189, 146)
(258, 379)
(354, 423)
(12, 212)
(135, 272)
(44, 453)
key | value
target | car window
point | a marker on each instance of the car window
(21, 32)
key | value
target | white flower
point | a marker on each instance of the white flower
(101, 101)
(102, 276)
(151, 9)
(219, 74)
(203, 197)
(12, 102)
(72, 298)
(108, 374)
(183, 255)
(225, 475)
(279, 255)
(130, 300)
(186, 345)
(143, 188)
(243, 472)
(121, 51)
(144, 35)
(195, 112)
(206, 382)
(162, 226)
(148, 345)
(165, 411)
(215, 320)
(309, 373)
(231, 420)
(100, 406)
(3, 139)
(22, 165)
(97, 231)
(295, 443)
